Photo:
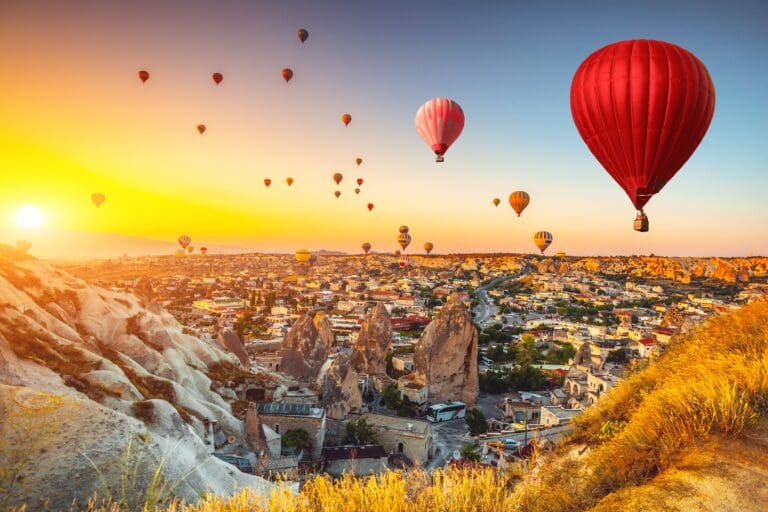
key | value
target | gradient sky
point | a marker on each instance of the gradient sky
(75, 119)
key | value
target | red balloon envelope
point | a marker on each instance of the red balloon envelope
(642, 107)
(370, 206)
(440, 122)
(143, 75)
(359, 181)
(217, 77)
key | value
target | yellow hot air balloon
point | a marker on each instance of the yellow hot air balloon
(97, 198)
(303, 255)
(428, 246)
(496, 201)
(542, 239)
(190, 249)
(518, 200)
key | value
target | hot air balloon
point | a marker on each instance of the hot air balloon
(203, 250)
(402, 260)
(184, 241)
(287, 74)
(302, 255)
(370, 207)
(97, 198)
(359, 181)
(337, 177)
(642, 107)
(23, 245)
(289, 181)
(190, 249)
(346, 119)
(357, 190)
(404, 238)
(518, 200)
(267, 182)
(201, 128)
(337, 194)
(217, 77)
(496, 201)
(403, 229)
(366, 247)
(440, 122)
(143, 75)
(560, 254)
(358, 161)
(542, 239)
(428, 246)
(303, 34)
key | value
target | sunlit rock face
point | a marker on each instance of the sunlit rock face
(373, 342)
(446, 355)
(306, 347)
(230, 341)
(339, 392)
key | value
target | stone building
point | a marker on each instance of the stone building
(280, 418)
(554, 415)
(412, 438)
(358, 460)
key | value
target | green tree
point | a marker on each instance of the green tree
(359, 432)
(476, 422)
(297, 438)
(469, 452)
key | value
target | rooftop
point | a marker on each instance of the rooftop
(354, 452)
(290, 410)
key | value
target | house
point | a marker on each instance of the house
(403, 362)
(521, 411)
(412, 438)
(415, 392)
(555, 415)
(357, 460)
(646, 346)
(264, 419)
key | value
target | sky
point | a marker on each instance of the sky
(75, 119)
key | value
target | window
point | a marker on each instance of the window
(277, 428)
(400, 447)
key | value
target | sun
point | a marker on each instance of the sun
(29, 217)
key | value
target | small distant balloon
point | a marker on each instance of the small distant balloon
(337, 194)
(542, 239)
(496, 201)
(370, 207)
(303, 35)
(143, 75)
(346, 119)
(357, 190)
(184, 241)
(358, 161)
(337, 177)
(404, 239)
(289, 181)
(402, 260)
(201, 129)
(267, 182)
(97, 198)
(203, 250)
(428, 246)
(217, 77)
(403, 229)
(190, 249)
(366, 247)
(287, 74)
(359, 181)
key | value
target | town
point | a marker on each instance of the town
(362, 363)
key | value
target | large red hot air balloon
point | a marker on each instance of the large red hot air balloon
(143, 75)
(217, 77)
(440, 122)
(642, 107)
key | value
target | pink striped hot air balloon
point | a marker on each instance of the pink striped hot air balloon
(440, 122)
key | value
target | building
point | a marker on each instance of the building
(522, 411)
(412, 438)
(403, 362)
(280, 418)
(415, 392)
(357, 460)
(555, 415)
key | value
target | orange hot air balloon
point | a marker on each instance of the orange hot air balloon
(359, 181)
(184, 241)
(403, 229)
(542, 239)
(303, 35)
(289, 181)
(337, 194)
(287, 74)
(97, 198)
(370, 207)
(337, 177)
(201, 128)
(496, 201)
(357, 190)
(203, 250)
(358, 161)
(428, 246)
(346, 119)
(366, 247)
(518, 200)
(143, 75)
(267, 182)
(217, 77)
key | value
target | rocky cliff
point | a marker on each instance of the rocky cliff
(94, 369)
(373, 342)
(339, 392)
(306, 347)
(230, 341)
(446, 355)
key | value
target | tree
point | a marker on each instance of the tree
(359, 432)
(618, 356)
(476, 422)
(297, 438)
(391, 397)
(469, 452)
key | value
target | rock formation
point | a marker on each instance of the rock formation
(446, 355)
(230, 341)
(339, 393)
(306, 347)
(373, 342)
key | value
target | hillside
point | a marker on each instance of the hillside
(94, 384)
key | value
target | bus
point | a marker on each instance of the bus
(446, 412)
